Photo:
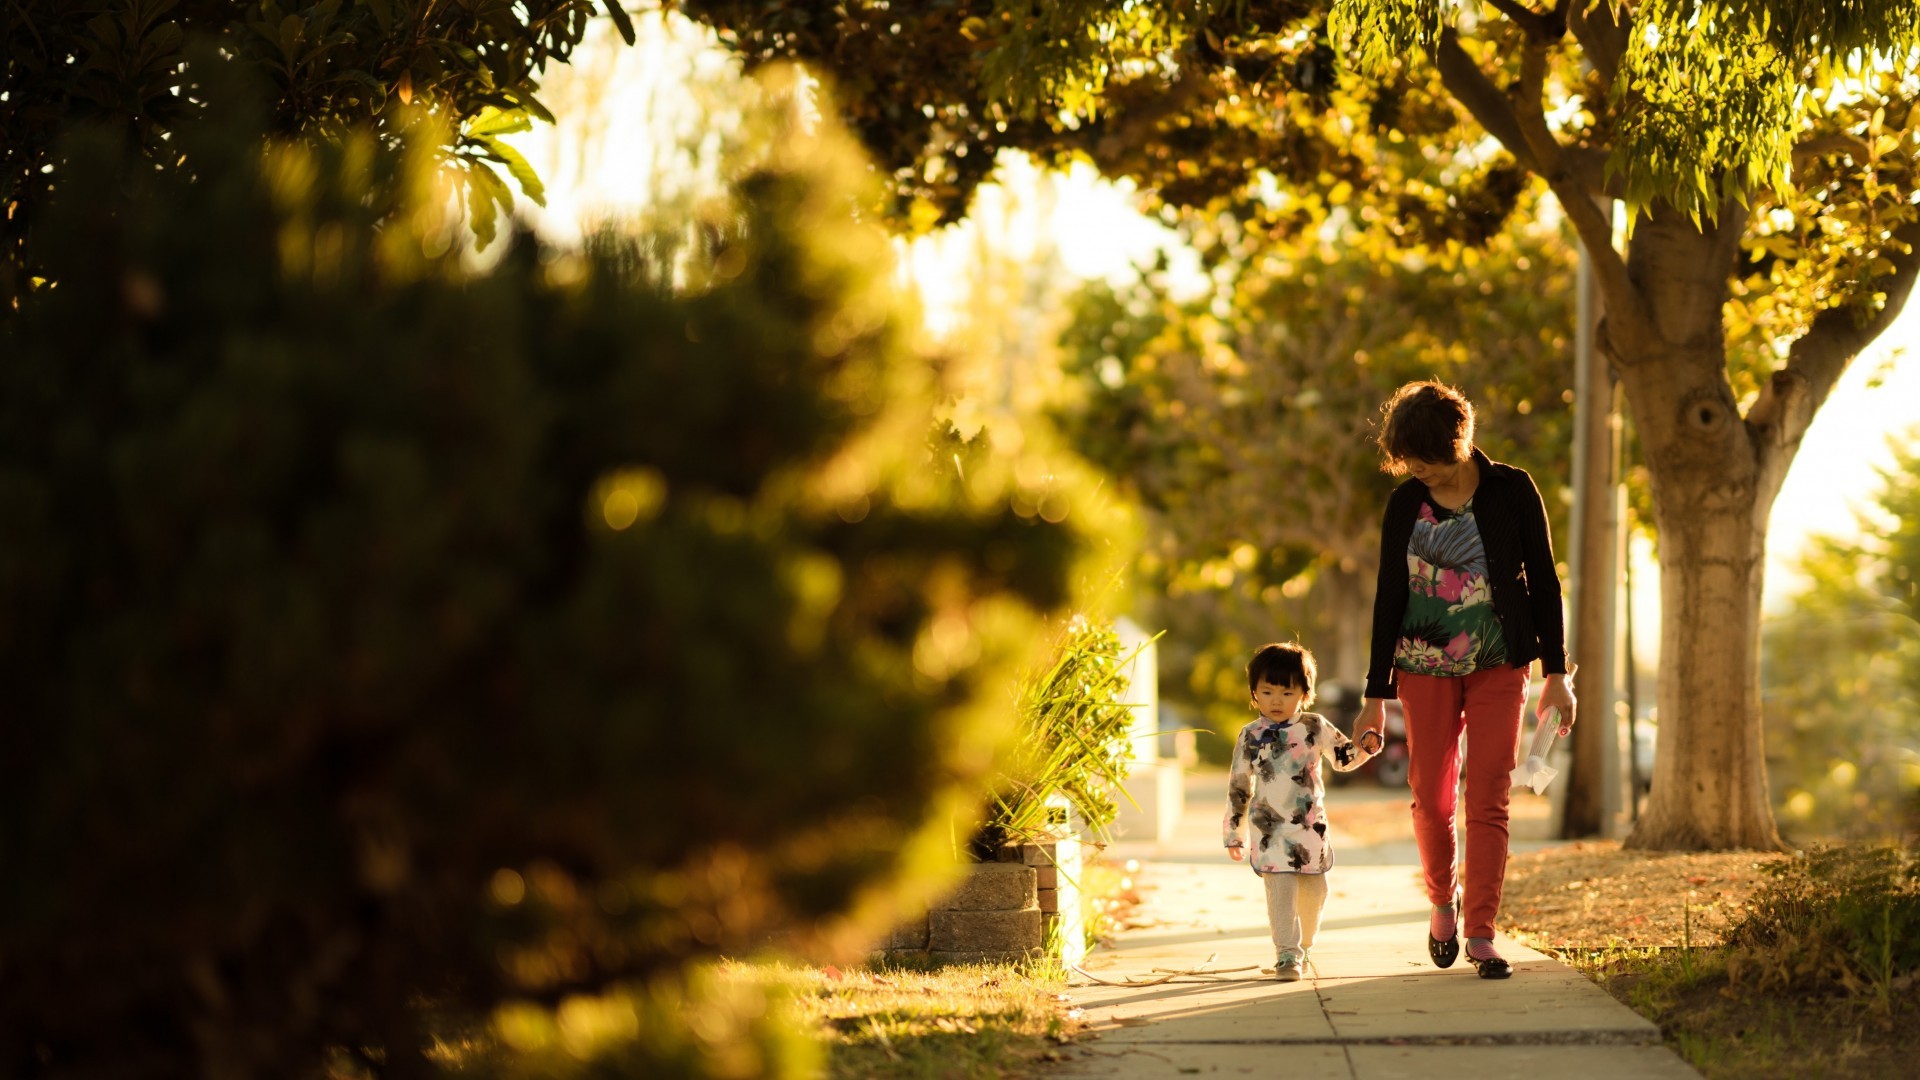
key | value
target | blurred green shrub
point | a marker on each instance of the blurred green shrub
(1842, 918)
(699, 1025)
(1841, 672)
(390, 648)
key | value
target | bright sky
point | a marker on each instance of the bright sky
(1835, 475)
(625, 114)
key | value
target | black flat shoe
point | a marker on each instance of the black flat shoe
(1495, 968)
(1444, 953)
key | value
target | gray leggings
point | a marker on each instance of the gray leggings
(1294, 903)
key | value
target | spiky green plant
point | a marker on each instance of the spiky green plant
(1075, 747)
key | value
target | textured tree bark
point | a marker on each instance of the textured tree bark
(1709, 774)
(1714, 479)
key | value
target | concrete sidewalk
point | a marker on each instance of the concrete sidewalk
(1372, 1006)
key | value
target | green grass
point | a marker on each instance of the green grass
(776, 1020)
(961, 1022)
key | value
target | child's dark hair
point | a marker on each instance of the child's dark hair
(1283, 663)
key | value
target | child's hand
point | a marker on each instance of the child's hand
(1239, 853)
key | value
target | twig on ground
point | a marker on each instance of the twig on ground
(1202, 971)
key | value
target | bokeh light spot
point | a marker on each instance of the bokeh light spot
(621, 509)
(509, 888)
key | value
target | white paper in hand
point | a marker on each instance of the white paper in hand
(1534, 772)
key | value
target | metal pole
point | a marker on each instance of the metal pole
(1593, 787)
(1632, 682)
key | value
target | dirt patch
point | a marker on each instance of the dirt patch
(1592, 894)
(1368, 816)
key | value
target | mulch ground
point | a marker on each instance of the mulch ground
(1592, 894)
(1587, 894)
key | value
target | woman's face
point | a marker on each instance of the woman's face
(1433, 473)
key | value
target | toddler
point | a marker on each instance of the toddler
(1276, 784)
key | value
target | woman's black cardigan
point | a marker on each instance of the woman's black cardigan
(1526, 588)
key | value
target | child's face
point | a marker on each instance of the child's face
(1277, 702)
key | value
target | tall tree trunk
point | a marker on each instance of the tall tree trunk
(1714, 477)
(1345, 592)
(1709, 773)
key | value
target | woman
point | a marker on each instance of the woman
(1468, 599)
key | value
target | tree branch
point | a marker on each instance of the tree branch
(1787, 404)
(1498, 114)
(1471, 88)
(1821, 145)
(1587, 167)
(1602, 29)
(1529, 109)
(1533, 22)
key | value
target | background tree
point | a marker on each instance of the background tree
(1843, 672)
(1242, 420)
(393, 652)
(1766, 149)
(124, 66)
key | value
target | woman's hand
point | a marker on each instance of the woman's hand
(1373, 717)
(1559, 695)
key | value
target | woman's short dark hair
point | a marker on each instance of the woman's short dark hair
(1283, 663)
(1427, 420)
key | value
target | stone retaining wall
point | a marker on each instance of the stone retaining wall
(1004, 911)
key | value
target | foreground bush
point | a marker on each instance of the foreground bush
(1842, 919)
(392, 652)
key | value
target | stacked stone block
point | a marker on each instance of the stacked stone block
(1004, 910)
(993, 916)
(1057, 867)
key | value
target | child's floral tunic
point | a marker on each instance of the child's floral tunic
(1450, 627)
(1275, 784)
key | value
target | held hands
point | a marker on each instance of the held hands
(1370, 728)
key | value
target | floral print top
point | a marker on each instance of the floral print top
(1450, 627)
(1275, 784)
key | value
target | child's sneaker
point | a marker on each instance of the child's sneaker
(1287, 969)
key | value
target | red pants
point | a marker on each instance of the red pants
(1487, 706)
